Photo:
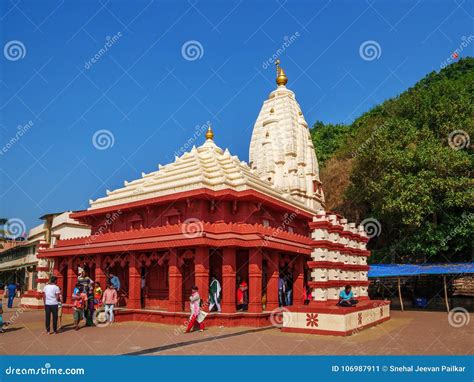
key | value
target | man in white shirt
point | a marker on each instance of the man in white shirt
(51, 298)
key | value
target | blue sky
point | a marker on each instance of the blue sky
(150, 93)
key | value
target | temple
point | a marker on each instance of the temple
(209, 213)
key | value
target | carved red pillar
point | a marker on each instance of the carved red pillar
(228, 280)
(298, 281)
(273, 267)
(255, 280)
(175, 282)
(57, 273)
(201, 271)
(99, 272)
(71, 280)
(134, 282)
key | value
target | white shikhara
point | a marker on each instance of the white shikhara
(282, 152)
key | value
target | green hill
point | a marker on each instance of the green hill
(408, 163)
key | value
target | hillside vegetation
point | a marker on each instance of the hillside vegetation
(408, 164)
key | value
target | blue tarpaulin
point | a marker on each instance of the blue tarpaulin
(393, 270)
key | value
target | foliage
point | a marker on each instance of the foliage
(403, 171)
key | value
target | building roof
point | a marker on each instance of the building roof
(394, 270)
(204, 167)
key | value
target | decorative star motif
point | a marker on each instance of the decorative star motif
(311, 319)
(359, 319)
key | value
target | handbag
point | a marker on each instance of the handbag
(202, 315)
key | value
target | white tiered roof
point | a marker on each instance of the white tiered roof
(281, 149)
(207, 166)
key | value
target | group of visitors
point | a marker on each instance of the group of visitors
(88, 298)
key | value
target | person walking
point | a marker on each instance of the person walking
(51, 299)
(197, 315)
(214, 294)
(11, 290)
(109, 299)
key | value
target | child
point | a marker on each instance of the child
(79, 299)
(97, 296)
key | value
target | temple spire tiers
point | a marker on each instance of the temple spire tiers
(281, 149)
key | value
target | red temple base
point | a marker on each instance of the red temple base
(180, 318)
(329, 319)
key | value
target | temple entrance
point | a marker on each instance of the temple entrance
(286, 280)
(187, 270)
(122, 273)
(156, 289)
(215, 265)
(242, 277)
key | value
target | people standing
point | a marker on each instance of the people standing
(97, 295)
(51, 299)
(289, 289)
(242, 296)
(89, 308)
(196, 314)
(11, 290)
(115, 281)
(281, 290)
(109, 299)
(214, 294)
(79, 299)
(84, 280)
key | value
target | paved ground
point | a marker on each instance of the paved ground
(406, 333)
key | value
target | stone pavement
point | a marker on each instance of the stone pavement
(410, 332)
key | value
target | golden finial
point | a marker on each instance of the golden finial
(281, 79)
(209, 133)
